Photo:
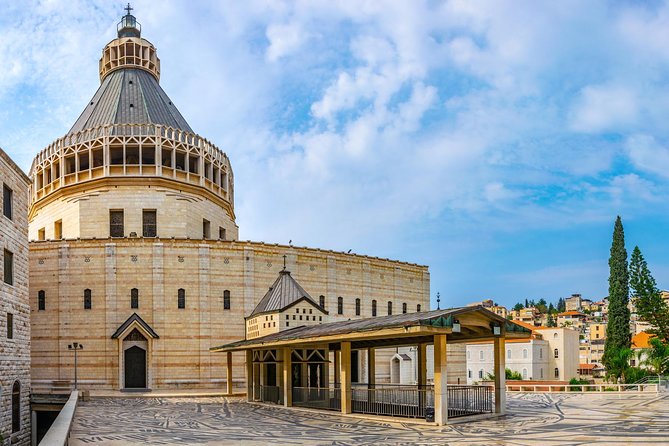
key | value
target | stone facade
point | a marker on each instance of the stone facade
(14, 309)
(204, 269)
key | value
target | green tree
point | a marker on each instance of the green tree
(617, 330)
(550, 320)
(656, 357)
(618, 364)
(541, 306)
(561, 305)
(518, 307)
(649, 304)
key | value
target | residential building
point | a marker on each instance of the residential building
(574, 319)
(597, 331)
(529, 315)
(573, 303)
(14, 305)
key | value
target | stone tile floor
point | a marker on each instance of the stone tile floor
(534, 419)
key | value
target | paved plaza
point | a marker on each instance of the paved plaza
(534, 419)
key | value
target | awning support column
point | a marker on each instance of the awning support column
(287, 381)
(440, 382)
(249, 375)
(500, 375)
(371, 367)
(345, 375)
(421, 378)
(229, 373)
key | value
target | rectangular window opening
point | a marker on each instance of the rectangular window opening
(149, 224)
(116, 223)
(7, 205)
(10, 326)
(58, 230)
(9, 267)
(206, 229)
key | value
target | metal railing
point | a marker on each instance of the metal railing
(392, 400)
(469, 400)
(328, 398)
(606, 387)
(271, 394)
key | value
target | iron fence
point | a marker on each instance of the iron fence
(328, 398)
(469, 400)
(392, 400)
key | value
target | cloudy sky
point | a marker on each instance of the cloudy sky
(493, 141)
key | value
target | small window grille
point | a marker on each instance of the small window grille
(149, 223)
(226, 300)
(390, 308)
(116, 224)
(357, 307)
(87, 299)
(134, 298)
(340, 305)
(41, 300)
(374, 308)
(404, 308)
(181, 298)
(10, 326)
(321, 301)
(7, 194)
(8, 267)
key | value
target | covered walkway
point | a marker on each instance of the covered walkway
(311, 366)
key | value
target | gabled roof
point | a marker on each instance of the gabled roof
(284, 292)
(130, 96)
(135, 318)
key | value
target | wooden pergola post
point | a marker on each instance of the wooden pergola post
(500, 375)
(249, 375)
(421, 378)
(229, 374)
(287, 381)
(440, 382)
(345, 375)
(371, 367)
(337, 362)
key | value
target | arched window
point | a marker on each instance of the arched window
(321, 301)
(469, 354)
(541, 373)
(404, 308)
(557, 372)
(357, 307)
(555, 335)
(524, 353)
(481, 374)
(418, 308)
(181, 298)
(88, 299)
(226, 299)
(481, 355)
(556, 353)
(508, 354)
(16, 407)
(541, 353)
(390, 308)
(374, 308)
(134, 298)
(524, 373)
(340, 305)
(469, 373)
(41, 300)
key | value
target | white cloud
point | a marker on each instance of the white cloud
(284, 39)
(604, 108)
(648, 154)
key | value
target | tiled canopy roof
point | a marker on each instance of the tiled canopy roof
(284, 292)
(130, 96)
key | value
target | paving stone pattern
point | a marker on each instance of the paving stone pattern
(534, 419)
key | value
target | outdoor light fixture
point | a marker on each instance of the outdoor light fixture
(75, 346)
(456, 326)
(496, 330)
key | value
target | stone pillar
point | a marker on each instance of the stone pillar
(229, 372)
(440, 381)
(249, 375)
(499, 369)
(345, 374)
(287, 381)
(33, 421)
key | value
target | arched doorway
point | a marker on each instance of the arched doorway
(134, 360)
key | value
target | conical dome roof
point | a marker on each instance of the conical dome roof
(130, 92)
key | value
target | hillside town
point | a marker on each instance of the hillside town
(567, 340)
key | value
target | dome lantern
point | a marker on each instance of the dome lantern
(129, 26)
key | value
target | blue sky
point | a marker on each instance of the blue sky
(494, 142)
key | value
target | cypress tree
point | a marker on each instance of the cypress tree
(650, 306)
(618, 335)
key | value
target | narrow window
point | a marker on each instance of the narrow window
(7, 201)
(508, 354)
(390, 308)
(58, 230)
(418, 308)
(469, 373)
(134, 298)
(357, 307)
(9, 267)
(206, 229)
(524, 353)
(41, 234)
(340, 305)
(524, 373)
(149, 223)
(556, 353)
(481, 355)
(116, 223)
(16, 407)
(557, 372)
(10, 326)
(541, 372)
(87, 299)
(374, 308)
(541, 353)
(181, 298)
(41, 300)
(481, 374)
(404, 308)
(226, 300)
(321, 301)
(469, 354)
(221, 233)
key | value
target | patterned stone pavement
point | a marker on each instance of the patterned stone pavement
(534, 419)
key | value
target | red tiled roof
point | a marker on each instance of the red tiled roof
(586, 366)
(572, 313)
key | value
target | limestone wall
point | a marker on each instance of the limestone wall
(158, 268)
(15, 352)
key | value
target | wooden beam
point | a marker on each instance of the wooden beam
(287, 381)
(345, 374)
(229, 372)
